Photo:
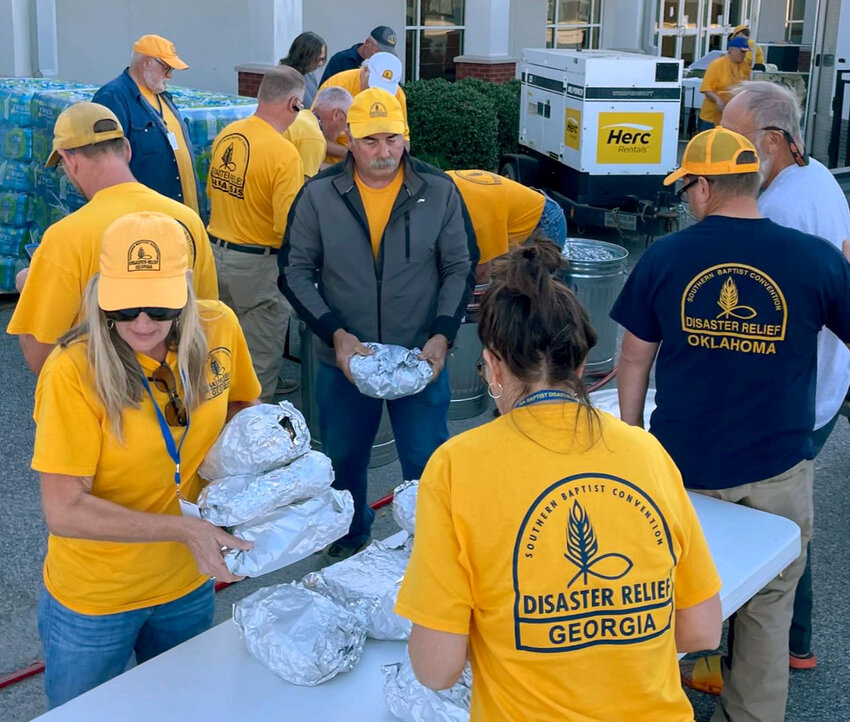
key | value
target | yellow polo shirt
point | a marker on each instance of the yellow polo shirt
(255, 174)
(181, 153)
(378, 203)
(306, 135)
(74, 437)
(503, 212)
(69, 255)
(721, 76)
(564, 562)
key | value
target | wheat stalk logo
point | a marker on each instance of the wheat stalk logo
(583, 550)
(227, 158)
(728, 303)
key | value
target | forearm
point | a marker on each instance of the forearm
(234, 407)
(35, 353)
(337, 150)
(713, 96)
(632, 383)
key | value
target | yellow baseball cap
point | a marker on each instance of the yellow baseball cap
(716, 152)
(739, 28)
(83, 124)
(375, 111)
(143, 262)
(157, 46)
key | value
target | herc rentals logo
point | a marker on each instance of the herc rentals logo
(629, 138)
(572, 128)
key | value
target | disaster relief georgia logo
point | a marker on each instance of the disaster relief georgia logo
(629, 138)
(229, 164)
(593, 564)
(734, 307)
(218, 371)
(143, 256)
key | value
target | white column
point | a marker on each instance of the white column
(288, 24)
(487, 33)
(47, 57)
(15, 38)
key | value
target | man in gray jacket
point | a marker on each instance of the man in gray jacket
(378, 248)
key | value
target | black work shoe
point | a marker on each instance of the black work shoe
(341, 551)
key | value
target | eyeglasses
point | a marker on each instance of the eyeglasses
(154, 313)
(481, 368)
(175, 410)
(166, 68)
(680, 194)
(798, 157)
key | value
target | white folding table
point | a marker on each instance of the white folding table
(212, 678)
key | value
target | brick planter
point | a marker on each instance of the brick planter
(250, 76)
(496, 70)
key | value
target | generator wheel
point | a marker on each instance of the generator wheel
(520, 168)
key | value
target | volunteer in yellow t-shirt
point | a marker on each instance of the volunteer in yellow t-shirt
(744, 31)
(722, 75)
(312, 130)
(89, 145)
(126, 408)
(555, 547)
(255, 174)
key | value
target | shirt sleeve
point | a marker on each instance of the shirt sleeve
(206, 281)
(288, 179)
(244, 384)
(711, 79)
(436, 592)
(634, 309)
(312, 152)
(836, 290)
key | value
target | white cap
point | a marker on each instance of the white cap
(385, 72)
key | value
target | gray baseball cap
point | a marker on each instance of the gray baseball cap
(385, 37)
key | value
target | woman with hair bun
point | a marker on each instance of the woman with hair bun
(555, 546)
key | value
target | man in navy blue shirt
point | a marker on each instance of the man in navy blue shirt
(735, 303)
(381, 40)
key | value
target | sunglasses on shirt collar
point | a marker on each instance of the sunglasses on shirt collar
(154, 313)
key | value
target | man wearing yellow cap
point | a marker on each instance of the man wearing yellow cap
(162, 158)
(389, 241)
(736, 303)
(90, 147)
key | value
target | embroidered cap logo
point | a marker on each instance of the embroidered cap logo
(378, 110)
(387, 74)
(143, 256)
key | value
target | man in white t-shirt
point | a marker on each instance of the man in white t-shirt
(800, 193)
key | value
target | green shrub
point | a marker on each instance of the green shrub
(505, 98)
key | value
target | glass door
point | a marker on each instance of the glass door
(677, 29)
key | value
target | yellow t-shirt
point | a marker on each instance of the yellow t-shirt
(503, 212)
(306, 135)
(378, 204)
(563, 564)
(350, 80)
(69, 255)
(721, 76)
(181, 154)
(74, 437)
(748, 58)
(255, 174)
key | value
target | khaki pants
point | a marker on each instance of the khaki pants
(755, 672)
(248, 284)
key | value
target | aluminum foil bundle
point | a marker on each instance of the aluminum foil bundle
(291, 533)
(391, 372)
(298, 634)
(410, 701)
(367, 585)
(256, 440)
(238, 499)
(404, 504)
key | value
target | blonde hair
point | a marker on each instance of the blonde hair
(117, 373)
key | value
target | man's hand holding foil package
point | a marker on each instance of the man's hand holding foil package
(434, 352)
(347, 345)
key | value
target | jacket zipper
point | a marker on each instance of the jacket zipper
(407, 236)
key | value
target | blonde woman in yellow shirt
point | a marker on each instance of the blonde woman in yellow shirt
(555, 547)
(126, 407)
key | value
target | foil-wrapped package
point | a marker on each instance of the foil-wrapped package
(367, 585)
(410, 701)
(391, 372)
(238, 499)
(256, 440)
(298, 634)
(291, 533)
(404, 504)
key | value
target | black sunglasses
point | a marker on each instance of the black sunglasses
(175, 409)
(154, 313)
(680, 194)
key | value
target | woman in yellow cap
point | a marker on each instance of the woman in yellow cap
(555, 546)
(126, 408)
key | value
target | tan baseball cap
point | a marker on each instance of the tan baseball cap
(375, 111)
(83, 124)
(143, 262)
(157, 46)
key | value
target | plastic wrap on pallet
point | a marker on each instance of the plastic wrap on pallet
(12, 240)
(9, 267)
(410, 701)
(256, 440)
(17, 96)
(46, 105)
(15, 142)
(205, 123)
(17, 176)
(238, 499)
(367, 585)
(391, 372)
(404, 504)
(299, 635)
(291, 533)
(15, 208)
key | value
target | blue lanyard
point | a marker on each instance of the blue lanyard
(541, 397)
(172, 448)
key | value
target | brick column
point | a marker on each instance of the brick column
(496, 70)
(250, 76)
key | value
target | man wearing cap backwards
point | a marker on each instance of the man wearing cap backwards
(313, 129)
(382, 39)
(254, 176)
(90, 147)
(388, 240)
(162, 157)
(723, 74)
(736, 303)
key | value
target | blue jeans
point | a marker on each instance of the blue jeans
(82, 651)
(552, 223)
(348, 423)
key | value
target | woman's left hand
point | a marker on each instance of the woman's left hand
(208, 544)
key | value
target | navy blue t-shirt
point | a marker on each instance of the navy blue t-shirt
(736, 305)
(347, 59)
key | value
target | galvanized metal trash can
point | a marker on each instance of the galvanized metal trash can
(469, 392)
(596, 273)
(383, 448)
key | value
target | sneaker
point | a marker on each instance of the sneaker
(802, 661)
(286, 386)
(339, 552)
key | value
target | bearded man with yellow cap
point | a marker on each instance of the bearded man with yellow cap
(163, 158)
(389, 241)
(735, 303)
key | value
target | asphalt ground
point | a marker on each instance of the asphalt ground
(819, 695)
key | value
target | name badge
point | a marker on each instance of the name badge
(188, 508)
(172, 140)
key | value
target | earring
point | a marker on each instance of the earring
(490, 391)
(110, 324)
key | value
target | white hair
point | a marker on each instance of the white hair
(137, 58)
(772, 104)
(333, 97)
